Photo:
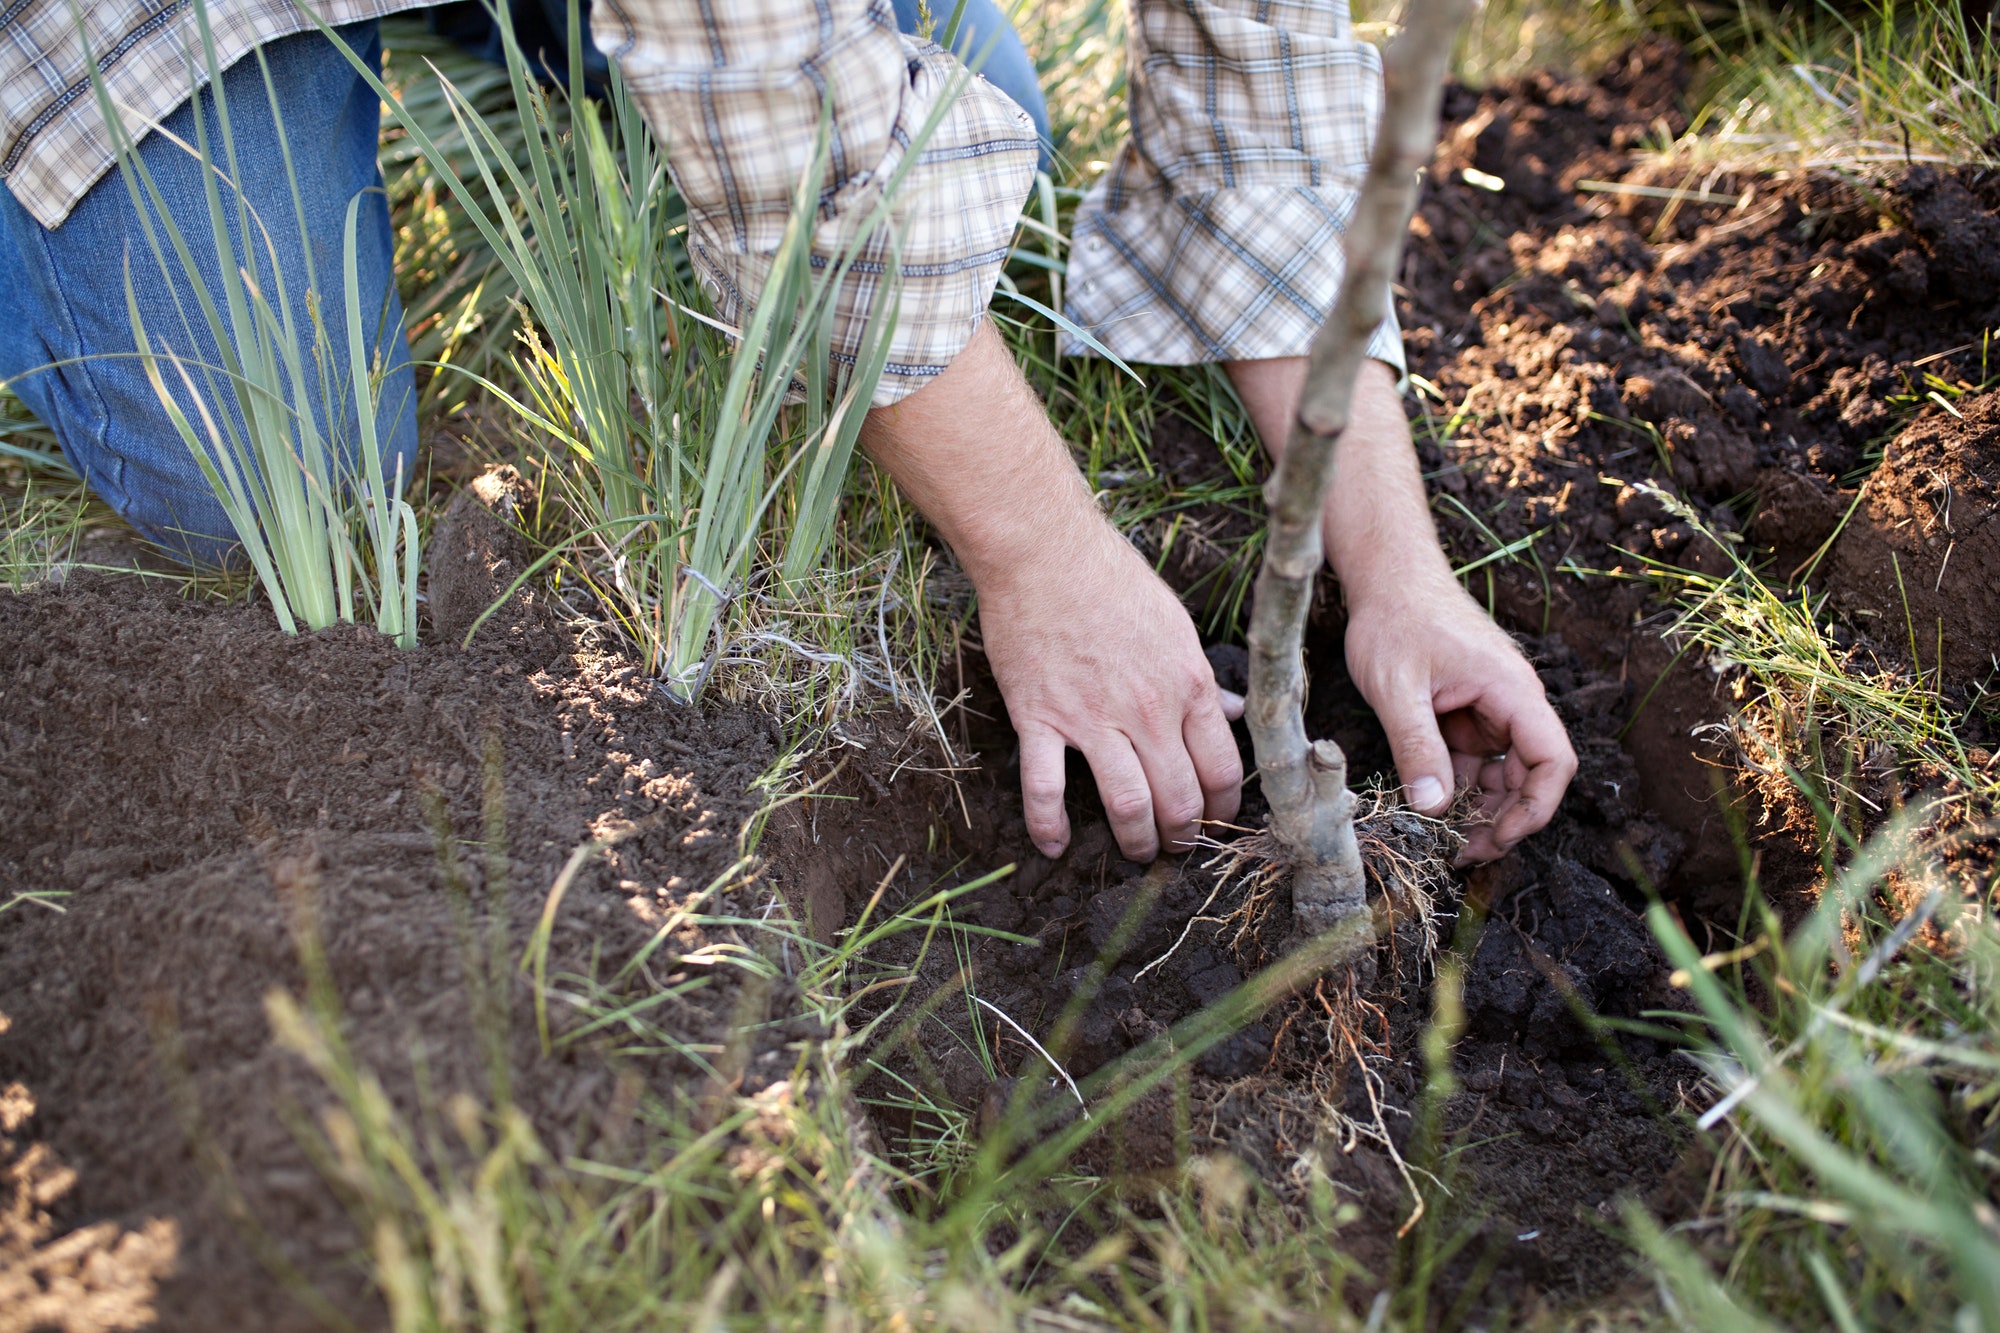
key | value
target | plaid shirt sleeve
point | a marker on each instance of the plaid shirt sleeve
(53, 141)
(1216, 233)
(736, 88)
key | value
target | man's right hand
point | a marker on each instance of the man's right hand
(1091, 650)
(1094, 653)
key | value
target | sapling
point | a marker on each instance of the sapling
(1305, 782)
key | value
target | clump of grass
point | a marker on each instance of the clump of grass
(325, 530)
(689, 501)
(1813, 714)
(41, 524)
(1855, 1173)
(1853, 1062)
(1863, 87)
(461, 307)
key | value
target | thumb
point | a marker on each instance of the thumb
(1422, 761)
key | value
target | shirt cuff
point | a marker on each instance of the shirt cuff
(1241, 274)
(739, 139)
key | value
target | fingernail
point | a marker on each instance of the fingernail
(1232, 704)
(1425, 793)
(1052, 849)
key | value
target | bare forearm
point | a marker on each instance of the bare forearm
(974, 451)
(1377, 522)
(1091, 650)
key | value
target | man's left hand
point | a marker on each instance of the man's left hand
(1461, 706)
(1460, 703)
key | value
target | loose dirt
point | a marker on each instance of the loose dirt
(192, 783)
(1556, 1119)
(1914, 570)
(1753, 346)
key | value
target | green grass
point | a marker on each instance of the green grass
(326, 531)
(1856, 88)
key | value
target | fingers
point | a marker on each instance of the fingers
(1159, 786)
(1128, 798)
(1232, 703)
(1218, 768)
(1042, 790)
(1523, 763)
(1480, 845)
(1539, 765)
(1422, 760)
(1178, 801)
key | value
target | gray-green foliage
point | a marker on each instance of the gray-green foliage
(325, 530)
(1854, 1100)
(673, 471)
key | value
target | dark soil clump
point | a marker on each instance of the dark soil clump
(1919, 564)
(193, 781)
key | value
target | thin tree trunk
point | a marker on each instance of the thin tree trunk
(1312, 812)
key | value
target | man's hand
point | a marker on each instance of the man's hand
(1091, 650)
(1459, 702)
(1456, 697)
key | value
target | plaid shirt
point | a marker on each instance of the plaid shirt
(1216, 234)
(53, 142)
(737, 90)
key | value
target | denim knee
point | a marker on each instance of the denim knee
(67, 344)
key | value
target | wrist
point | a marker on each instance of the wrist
(1059, 543)
(1393, 582)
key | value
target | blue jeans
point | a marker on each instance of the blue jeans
(66, 341)
(67, 347)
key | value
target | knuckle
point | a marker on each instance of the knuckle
(1153, 711)
(1127, 806)
(1182, 811)
(1041, 791)
(1224, 776)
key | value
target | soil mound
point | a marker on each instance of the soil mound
(187, 781)
(1918, 566)
(1607, 321)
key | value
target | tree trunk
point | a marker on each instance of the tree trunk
(1312, 812)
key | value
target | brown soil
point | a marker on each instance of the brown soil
(1915, 568)
(1752, 356)
(191, 778)
(1556, 1120)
